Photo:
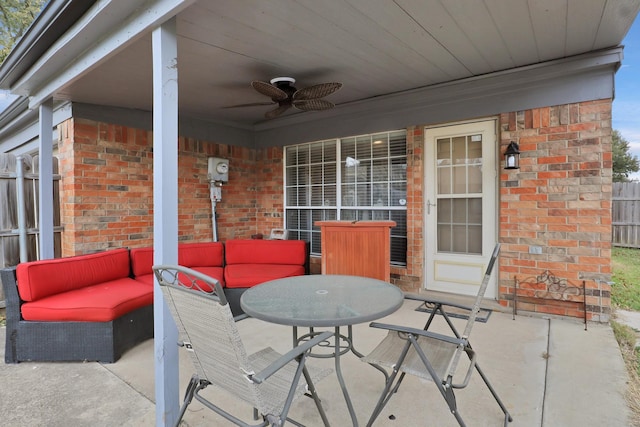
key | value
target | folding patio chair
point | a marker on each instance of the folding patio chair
(432, 356)
(266, 379)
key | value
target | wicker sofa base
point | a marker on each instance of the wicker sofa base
(28, 340)
(77, 341)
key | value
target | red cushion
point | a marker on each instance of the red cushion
(141, 261)
(98, 303)
(208, 254)
(40, 279)
(265, 252)
(215, 272)
(248, 275)
(147, 279)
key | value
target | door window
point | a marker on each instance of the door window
(459, 194)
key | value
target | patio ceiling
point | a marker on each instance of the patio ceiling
(375, 48)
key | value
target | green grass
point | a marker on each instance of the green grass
(625, 291)
(625, 294)
(627, 339)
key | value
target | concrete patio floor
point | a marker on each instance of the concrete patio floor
(549, 373)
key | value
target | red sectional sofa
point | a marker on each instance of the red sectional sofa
(78, 308)
(97, 306)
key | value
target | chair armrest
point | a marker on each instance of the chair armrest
(420, 332)
(289, 356)
(426, 300)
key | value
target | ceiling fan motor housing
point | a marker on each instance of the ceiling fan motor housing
(285, 84)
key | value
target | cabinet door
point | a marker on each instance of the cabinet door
(360, 249)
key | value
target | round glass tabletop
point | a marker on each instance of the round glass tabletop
(321, 300)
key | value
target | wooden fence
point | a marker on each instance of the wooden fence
(19, 231)
(626, 214)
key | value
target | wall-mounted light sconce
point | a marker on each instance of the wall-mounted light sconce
(512, 156)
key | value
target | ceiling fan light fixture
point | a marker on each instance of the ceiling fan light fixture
(276, 80)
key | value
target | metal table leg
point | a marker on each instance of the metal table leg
(339, 374)
(338, 351)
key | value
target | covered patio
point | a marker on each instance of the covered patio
(141, 88)
(550, 373)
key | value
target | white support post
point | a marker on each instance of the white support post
(45, 202)
(165, 214)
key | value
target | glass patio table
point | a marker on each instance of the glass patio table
(323, 301)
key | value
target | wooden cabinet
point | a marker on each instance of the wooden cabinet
(356, 248)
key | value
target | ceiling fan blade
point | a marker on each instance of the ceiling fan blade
(252, 104)
(316, 91)
(269, 90)
(276, 112)
(313, 105)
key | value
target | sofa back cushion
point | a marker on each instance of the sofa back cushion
(207, 254)
(290, 252)
(248, 275)
(141, 261)
(39, 279)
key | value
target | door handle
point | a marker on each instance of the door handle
(429, 204)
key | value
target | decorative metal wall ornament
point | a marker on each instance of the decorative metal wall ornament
(546, 288)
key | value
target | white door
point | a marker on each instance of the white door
(460, 206)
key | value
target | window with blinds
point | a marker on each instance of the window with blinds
(356, 178)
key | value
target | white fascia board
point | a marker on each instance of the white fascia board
(21, 134)
(108, 27)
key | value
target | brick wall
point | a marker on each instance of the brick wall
(410, 278)
(107, 188)
(269, 190)
(559, 200)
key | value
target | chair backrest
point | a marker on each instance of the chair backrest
(476, 307)
(207, 329)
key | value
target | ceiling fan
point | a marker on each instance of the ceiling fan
(285, 95)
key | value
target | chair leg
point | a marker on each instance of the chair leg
(450, 398)
(188, 397)
(389, 387)
(315, 397)
(507, 416)
(384, 397)
(282, 418)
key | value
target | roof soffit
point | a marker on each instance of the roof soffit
(106, 28)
